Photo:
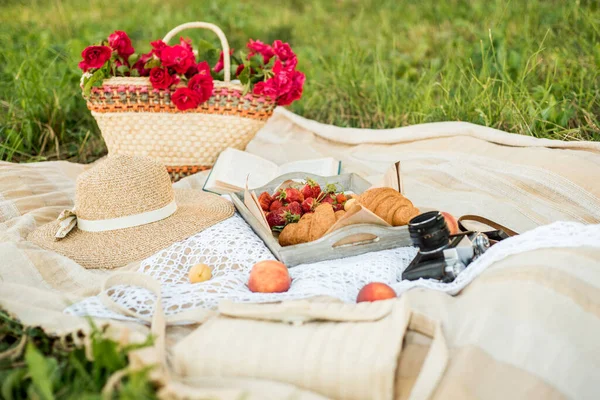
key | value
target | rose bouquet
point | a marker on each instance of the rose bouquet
(183, 104)
(263, 69)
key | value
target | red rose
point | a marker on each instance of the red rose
(187, 43)
(185, 99)
(139, 64)
(256, 46)
(94, 57)
(177, 57)
(265, 88)
(283, 50)
(295, 91)
(285, 86)
(120, 42)
(203, 68)
(279, 84)
(221, 63)
(202, 82)
(161, 79)
(157, 47)
(193, 70)
(239, 69)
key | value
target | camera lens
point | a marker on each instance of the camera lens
(429, 231)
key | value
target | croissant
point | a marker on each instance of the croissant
(310, 227)
(389, 205)
(339, 214)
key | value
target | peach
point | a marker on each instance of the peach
(200, 273)
(269, 276)
(451, 222)
(375, 291)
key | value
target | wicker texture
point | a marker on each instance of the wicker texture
(136, 119)
(125, 185)
(120, 187)
(175, 139)
(137, 94)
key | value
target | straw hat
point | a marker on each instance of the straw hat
(126, 210)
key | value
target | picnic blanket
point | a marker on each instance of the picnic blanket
(526, 326)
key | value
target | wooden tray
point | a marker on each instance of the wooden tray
(345, 242)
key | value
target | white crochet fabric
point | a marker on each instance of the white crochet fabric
(232, 248)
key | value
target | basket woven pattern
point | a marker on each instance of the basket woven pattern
(137, 94)
(175, 139)
(136, 119)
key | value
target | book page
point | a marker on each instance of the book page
(393, 177)
(253, 205)
(321, 166)
(234, 166)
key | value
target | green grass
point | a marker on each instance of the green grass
(528, 67)
(46, 368)
(525, 66)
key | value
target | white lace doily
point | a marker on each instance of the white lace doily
(232, 248)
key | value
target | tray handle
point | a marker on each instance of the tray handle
(217, 31)
(372, 233)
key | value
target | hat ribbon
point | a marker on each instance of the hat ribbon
(68, 219)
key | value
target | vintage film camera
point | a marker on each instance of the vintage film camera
(442, 256)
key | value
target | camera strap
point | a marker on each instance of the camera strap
(500, 233)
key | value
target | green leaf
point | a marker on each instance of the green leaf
(270, 64)
(40, 370)
(77, 365)
(12, 382)
(207, 52)
(94, 80)
(153, 62)
(107, 354)
(133, 58)
(244, 76)
(254, 79)
(136, 386)
(134, 72)
(236, 60)
(122, 70)
(256, 61)
(247, 88)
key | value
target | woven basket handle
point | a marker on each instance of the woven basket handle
(215, 29)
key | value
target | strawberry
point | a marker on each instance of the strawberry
(265, 201)
(311, 189)
(291, 217)
(290, 195)
(341, 198)
(294, 208)
(309, 204)
(277, 218)
(338, 206)
(276, 204)
(328, 198)
(278, 194)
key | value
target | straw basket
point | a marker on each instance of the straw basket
(136, 119)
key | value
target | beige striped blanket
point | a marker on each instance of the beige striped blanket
(528, 327)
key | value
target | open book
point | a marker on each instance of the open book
(233, 166)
